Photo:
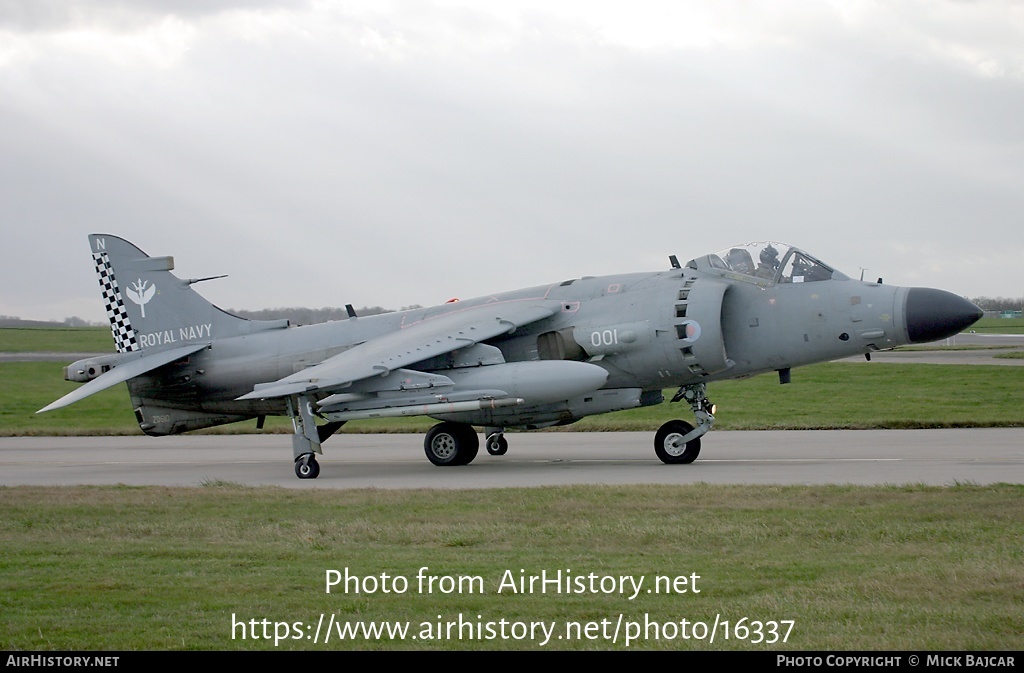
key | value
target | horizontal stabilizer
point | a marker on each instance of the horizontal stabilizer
(123, 372)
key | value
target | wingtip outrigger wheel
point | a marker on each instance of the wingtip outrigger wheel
(307, 467)
(306, 440)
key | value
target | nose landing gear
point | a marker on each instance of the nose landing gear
(678, 442)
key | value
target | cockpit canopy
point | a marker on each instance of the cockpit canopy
(767, 263)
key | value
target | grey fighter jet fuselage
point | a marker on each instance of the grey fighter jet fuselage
(531, 358)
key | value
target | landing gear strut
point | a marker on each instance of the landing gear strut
(678, 442)
(308, 436)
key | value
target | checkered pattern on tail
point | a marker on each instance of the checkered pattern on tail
(124, 335)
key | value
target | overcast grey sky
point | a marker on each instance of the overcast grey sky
(392, 153)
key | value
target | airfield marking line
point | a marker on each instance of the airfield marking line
(647, 461)
(805, 460)
(74, 463)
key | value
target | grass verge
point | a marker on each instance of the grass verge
(831, 395)
(884, 568)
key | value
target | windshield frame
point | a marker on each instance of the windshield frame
(777, 264)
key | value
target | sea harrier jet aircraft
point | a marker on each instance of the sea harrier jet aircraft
(531, 358)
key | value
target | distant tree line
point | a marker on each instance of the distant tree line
(74, 321)
(998, 303)
(299, 315)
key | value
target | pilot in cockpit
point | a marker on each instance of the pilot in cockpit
(769, 263)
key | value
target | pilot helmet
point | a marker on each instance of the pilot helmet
(770, 256)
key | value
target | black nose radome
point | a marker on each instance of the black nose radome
(937, 314)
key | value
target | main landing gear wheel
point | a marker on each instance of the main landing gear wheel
(497, 445)
(306, 467)
(670, 449)
(451, 443)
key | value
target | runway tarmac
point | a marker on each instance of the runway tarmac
(983, 349)
(934, 457)
(864, 457)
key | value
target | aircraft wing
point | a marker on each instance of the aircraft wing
(122, 372)
(409, 345)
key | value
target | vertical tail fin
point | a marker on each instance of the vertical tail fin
(152, 309)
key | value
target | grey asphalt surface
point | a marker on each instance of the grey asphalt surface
(864, 457)
(983, 351)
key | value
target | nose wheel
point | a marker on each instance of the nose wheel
(671, 448)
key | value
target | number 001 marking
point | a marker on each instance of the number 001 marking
(608, 337)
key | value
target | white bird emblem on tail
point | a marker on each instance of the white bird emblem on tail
(139, 293)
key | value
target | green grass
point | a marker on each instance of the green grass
(882, 568)
(56, 340)
(998, 326)
(98, 339)
(885, 568)
(1019, 355)
(831, 395)
(967, 347)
